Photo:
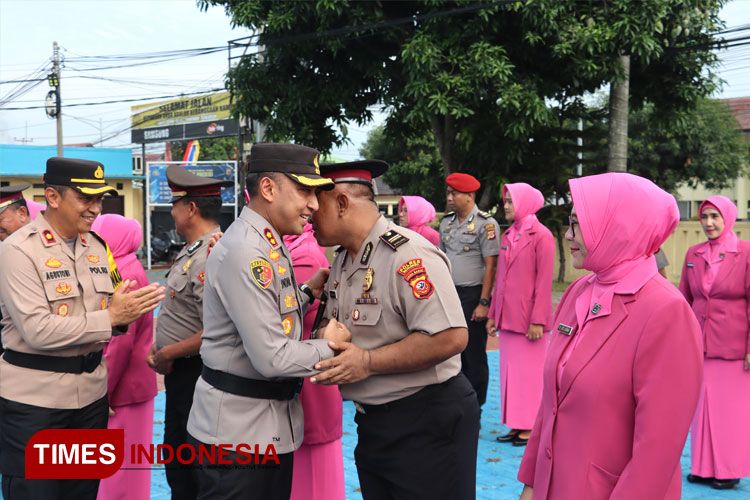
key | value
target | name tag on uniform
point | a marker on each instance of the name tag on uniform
(689, 264)
(565, 329)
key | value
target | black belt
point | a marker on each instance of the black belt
(69, 364)
(252, 388)
(426, 392)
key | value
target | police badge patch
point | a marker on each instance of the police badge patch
(262, 273)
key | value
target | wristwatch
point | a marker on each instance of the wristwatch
(484, 302)
(304, 288)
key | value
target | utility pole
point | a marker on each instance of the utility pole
(56, 60)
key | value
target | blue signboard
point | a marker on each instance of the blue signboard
(159, 191)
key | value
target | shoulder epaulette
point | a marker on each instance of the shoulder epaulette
(393, 239)
(195, 246)
(485, 215)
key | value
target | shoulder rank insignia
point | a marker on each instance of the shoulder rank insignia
(485, 215)
(195, 246)
(393, 239)
(366, 254)
(270, 237)
(262, 273)
(48, 236)
(415, 274)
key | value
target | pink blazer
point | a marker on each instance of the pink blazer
(528, 280)
(615, 427)
(724, 315)
(322, 404)
(129, 379)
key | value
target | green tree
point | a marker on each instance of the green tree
(704, 145)
(479, 77)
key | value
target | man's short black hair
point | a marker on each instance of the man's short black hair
(209, 207)
(360, 191)
(60, 189)
(253, 181)
(18, 204)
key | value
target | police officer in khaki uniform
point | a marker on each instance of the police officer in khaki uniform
(417, 415)
(252, 349)
(14, 213)
(196, 206)
(60, 296)
(469, 238)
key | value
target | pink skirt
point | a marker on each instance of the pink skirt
(521, 365)
(138, 421)
(318, 472)
(720, 434)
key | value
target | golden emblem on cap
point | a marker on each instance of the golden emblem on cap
(99, 173)
(317, 165)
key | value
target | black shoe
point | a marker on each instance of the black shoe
(724, 484)
(692, 478)
(520, 441)
(507, 438)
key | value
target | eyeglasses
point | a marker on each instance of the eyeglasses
(573, 223)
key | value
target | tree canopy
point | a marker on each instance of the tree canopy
(485, 83)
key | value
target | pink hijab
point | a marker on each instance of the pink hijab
(624, 219)
(123, 236)
(728, 211)
(35, 208)
(527, 200)
(420, 213)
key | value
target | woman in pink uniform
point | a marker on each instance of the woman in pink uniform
(623, 370)
(131, 384)
(716, 282)
(318, 472)
(521, 309)
(414, 212)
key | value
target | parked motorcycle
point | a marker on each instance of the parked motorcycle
(166, 247)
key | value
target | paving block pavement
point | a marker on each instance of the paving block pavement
(497, 464)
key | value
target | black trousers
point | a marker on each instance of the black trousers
(180, 385)
(241, 482)
(423, 446)
(474, 357)
(20, 422)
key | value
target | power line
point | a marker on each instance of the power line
(118, 101)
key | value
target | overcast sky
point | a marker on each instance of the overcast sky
(113, 27)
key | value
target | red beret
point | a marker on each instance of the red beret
(463, 182)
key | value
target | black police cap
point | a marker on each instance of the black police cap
(85, 176)
(298, 162)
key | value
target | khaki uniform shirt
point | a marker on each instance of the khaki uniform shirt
(409, 289)
(468, 243)
(252, 328)
(181, 312)
(54, 303)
